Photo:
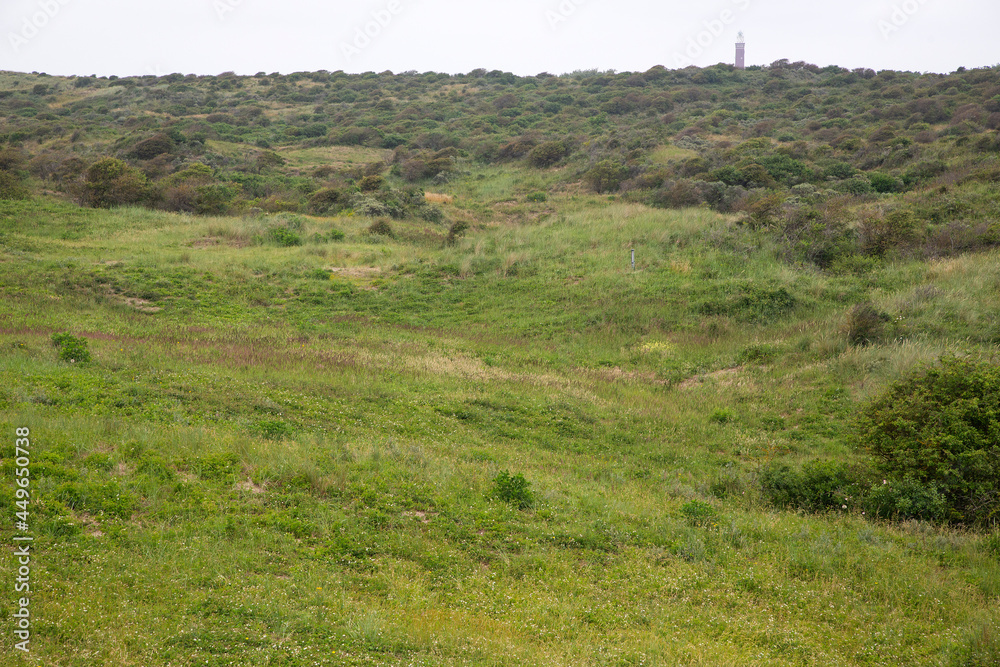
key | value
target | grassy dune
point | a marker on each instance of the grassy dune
(286, 455)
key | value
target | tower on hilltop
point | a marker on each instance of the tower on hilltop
(740, 51)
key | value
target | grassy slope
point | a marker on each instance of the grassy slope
(284, 455)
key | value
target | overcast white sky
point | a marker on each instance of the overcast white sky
(128, 37)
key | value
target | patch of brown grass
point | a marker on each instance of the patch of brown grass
(438, 198)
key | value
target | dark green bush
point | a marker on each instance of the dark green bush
(818, 485)
(111, 182)
(864, 324)
(721, 416)
(763, 209)
(819, 235)
(155, 145)
(606, 175)
(456, 231)
(381, 228)
(327, 201)
(12, 186)
(907, 499)
(71, 348)
(751, 303)
(883, 183)
(371, 183)
(547, 154)
(758, 353)
(284, 237)
(940, 428)
(859, 185)
(430, 213)
(880, 234)
(513, 489)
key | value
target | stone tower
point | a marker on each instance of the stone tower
(740, 51)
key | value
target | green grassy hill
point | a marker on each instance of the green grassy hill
(372, 380)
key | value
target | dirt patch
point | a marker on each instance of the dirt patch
(618, 374)
(213, 241)
(249, 486)
(726, 377)
(205, 242)
(141, 305)
(355, 271)
(422, 517)
(90, 525)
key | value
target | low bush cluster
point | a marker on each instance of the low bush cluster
(934, 442)
(513, 489)
(71, 348)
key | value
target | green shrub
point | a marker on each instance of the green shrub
(456, 231)
(884, 183)
(758, 353)
(111, 182)
(940, 428)
(762, 210)
(155, 145)
(71, 348)
(859, 185)
(513, 489)
(336, 235)
(751, 303)
(880, 234)
(547, 154)
(371, 183)
(721, 416)
(381, 228)
(818, 485)
(327, 201)
(907, 499)
(537, 197)
(606, 176)
(700, 514)
(367, 205)
(284, 237)
(864, 324)
(12, 186)
(430, 213)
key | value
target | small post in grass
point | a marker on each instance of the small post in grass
(633, 259)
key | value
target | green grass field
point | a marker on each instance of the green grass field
(286, 455)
